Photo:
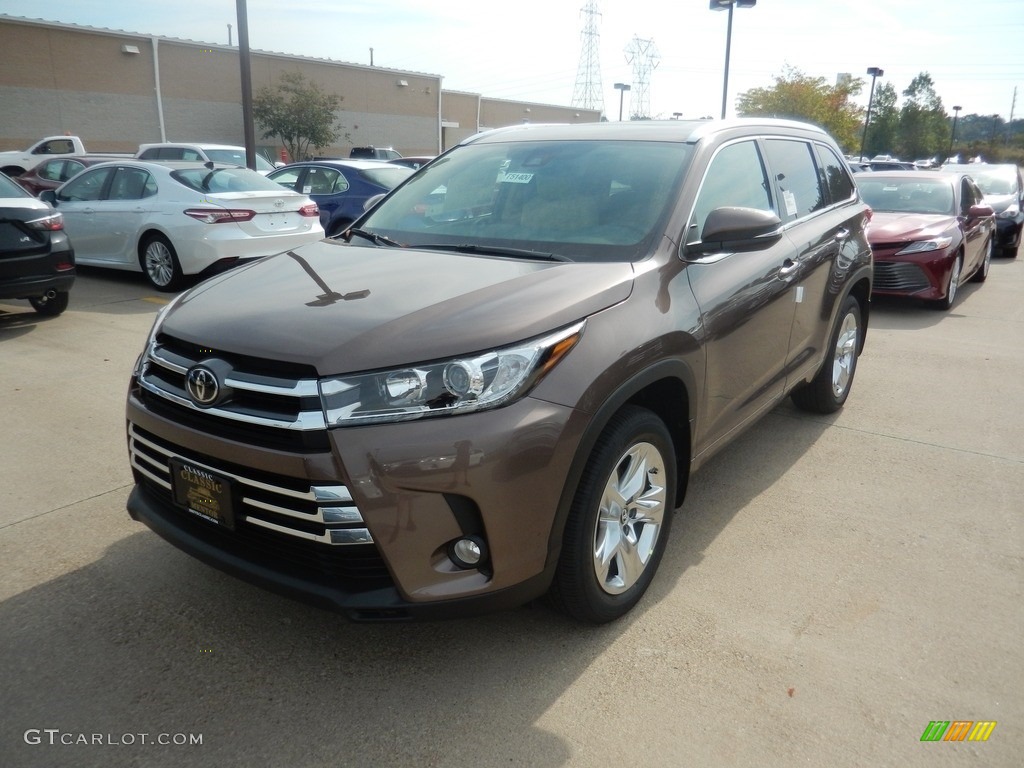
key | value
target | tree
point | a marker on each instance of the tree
(884, 130)
(801, 97)
(923, 131)
(299, 113)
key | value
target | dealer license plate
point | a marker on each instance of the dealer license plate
(203, 493)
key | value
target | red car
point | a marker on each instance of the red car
(52, 173)
(930, 232)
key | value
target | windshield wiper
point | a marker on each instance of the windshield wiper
(495, 250)
(374, 238)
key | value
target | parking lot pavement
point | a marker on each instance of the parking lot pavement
(833, 585)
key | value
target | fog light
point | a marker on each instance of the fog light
(468, 552)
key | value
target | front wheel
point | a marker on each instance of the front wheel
(828, 391)
(951, 286)
(619, 521)
(160, 263)
(982, 274)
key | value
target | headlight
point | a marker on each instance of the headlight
(1011, 212)
(922, 246)
(459, 385)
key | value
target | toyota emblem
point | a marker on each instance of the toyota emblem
(202, 385)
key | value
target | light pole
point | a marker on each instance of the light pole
(722, 5)
(875, 73)
(622, 88)
(952, 136)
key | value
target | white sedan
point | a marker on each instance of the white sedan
(169, 220)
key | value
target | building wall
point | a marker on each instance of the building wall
(59, 78)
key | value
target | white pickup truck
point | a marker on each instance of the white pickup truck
(16, 162)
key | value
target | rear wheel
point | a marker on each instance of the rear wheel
(160, 263)
(619, 522)
(828, 391)
(51, 306)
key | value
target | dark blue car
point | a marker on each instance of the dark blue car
(340, 187)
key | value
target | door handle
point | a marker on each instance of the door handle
(788, 269)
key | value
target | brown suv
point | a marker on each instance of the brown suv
(496, 384)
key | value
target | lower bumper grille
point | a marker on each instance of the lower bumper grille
(899, 276)
(313, 532)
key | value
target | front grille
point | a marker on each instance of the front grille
(313, 531)
(899, 276)
(262, 402)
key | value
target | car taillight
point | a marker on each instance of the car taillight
(51, 223)
(309, 210)
(220, 215)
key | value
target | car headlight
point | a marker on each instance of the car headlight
(1011, 212)
(922, 246)
(459, 385)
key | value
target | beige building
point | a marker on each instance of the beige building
(119, 89)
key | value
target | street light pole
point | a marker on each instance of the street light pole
(875, 73)
(722, 5)
(622, 88)
(952, 136)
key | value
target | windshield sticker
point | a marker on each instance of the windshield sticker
(516, 178)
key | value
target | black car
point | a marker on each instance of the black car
(1003, 187)
(37, 261)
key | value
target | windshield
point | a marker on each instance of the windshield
(907, 196)
(582, 200)
(996, 182)
(388, 176)
(225, 180)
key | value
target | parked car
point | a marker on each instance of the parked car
(892, 165)
(37, 261)
(499, 387)
(373, 153)
(859, 166)
(340, 187)
(225, 154)
(930, 232)
(1003, 187)
(415, 162)
(50, 174)
(169, 220)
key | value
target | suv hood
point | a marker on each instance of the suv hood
(343, 308)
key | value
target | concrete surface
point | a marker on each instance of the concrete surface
(832, 586)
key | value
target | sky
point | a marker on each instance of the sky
(530, 50)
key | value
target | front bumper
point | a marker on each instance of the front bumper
(417, 487)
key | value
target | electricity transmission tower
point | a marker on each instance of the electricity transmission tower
(644, 56)
(588, 93)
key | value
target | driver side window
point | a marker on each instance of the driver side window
(735, 178)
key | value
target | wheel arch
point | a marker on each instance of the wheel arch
(665, 389)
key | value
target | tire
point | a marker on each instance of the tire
(951, 286)
(160, 263)
(828, 391)
(981, 275)
(51, 307)
(619, 521)
(1010, 251)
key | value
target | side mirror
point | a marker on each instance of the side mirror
(980, 211)
(49, 196)
(737, 229)
(373, 201)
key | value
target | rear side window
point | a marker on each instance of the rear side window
(324, 181)
(52, 170)
(131, 184)
(796, 177)
(834, 175)
(735, 178)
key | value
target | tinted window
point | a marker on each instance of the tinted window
(834, 176)
(735, 178)
(131, 184)
(87, 185)
(796, 177)
(324, 181)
